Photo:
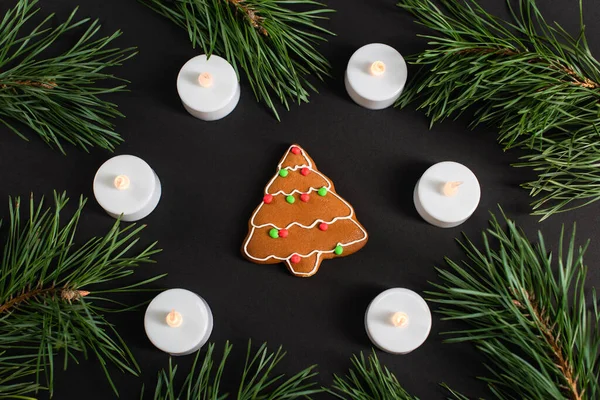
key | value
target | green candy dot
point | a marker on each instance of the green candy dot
(322, 192)
(290, 199)
(338, 250)
(274, 233)
(283, 173)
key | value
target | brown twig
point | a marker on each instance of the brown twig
(73, 295)
(579, 81)
(553, 341)
(65, 294)
(45, 85)
(483, 50)
(251, 14)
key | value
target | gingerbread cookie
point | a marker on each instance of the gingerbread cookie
(301, 220)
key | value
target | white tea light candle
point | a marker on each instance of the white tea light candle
(375, 76)
(447, 194)
(126, 186)
(398, 321)
(208, 88)
(178, 322)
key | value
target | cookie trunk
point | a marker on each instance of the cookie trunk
(306, 267)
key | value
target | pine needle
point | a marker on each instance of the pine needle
(274, 45)
(526, 311)
(533, 80)
(47, 300)
(257, 381)
(368, 380)
(57, 97)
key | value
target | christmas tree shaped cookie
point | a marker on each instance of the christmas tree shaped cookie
(301, 220)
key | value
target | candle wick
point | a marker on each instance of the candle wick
(451, 188)
(377, 68)
(122, 182)
(174, 319)
(399, 319)
(205, 79)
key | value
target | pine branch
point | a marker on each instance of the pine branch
(57, 96)
(251, 14)
(256, 382)
(48, 303)
(14, 375)
(527, 312)
(369, 380)
(274, 45)
(534, 81)
(37, 293)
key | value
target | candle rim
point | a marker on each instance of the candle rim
(388, 85)
(119, 202)
(207, 101)
(172, 340)
(467, 199)
(404, 340)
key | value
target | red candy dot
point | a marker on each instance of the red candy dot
(295, 150)
(295, 259)
(323, 226)
(268, 198)
(305, 171)
(283, 233)
(304, 197)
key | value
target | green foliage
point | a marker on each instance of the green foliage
(256, 382)
(369, 380)
(274, 45)
(57, 97)
(48, 303)
(526, 311)
(454, 395)
(534, 81)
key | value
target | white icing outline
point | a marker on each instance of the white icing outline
(309, 165)
(297, 167)
(318, 252)
(298, 223)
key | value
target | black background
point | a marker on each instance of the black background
(213, 175)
